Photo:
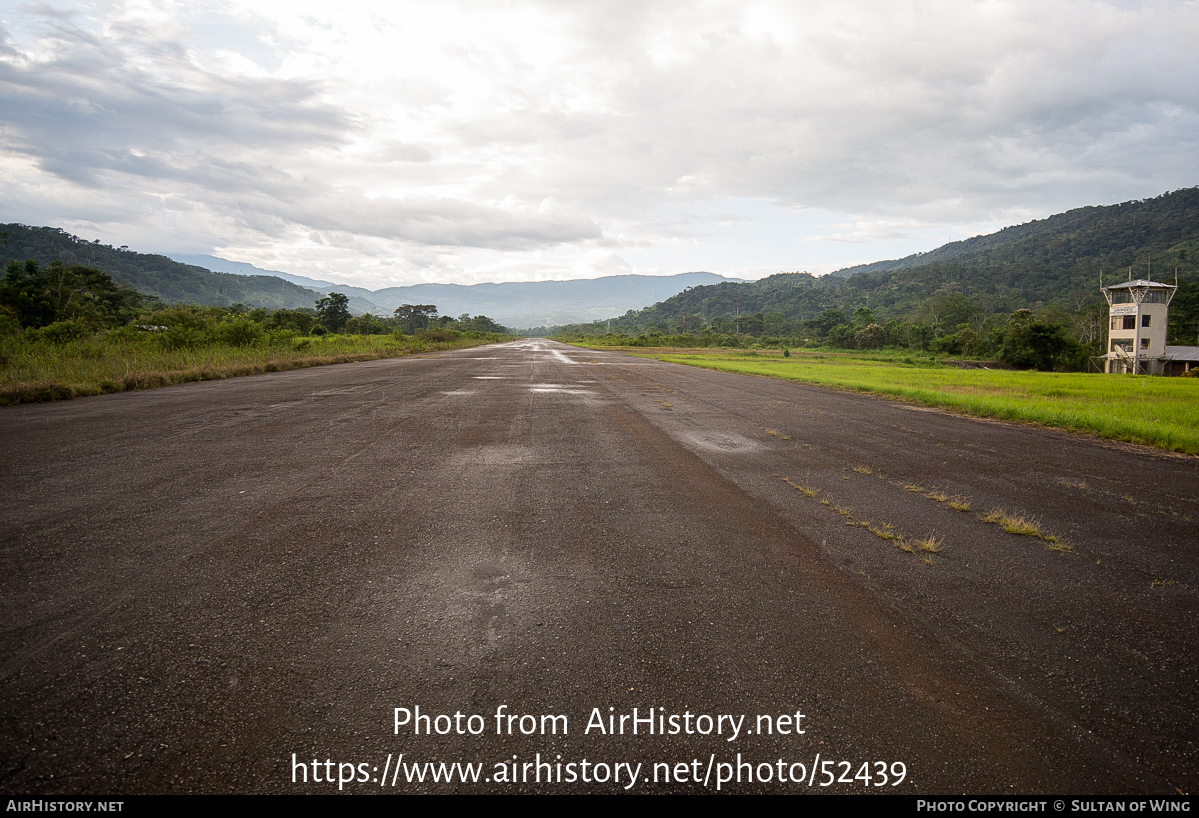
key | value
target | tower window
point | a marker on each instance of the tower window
(1145, 320)
(1144, 343)
(1130, 322)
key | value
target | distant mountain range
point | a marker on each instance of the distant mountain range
(209, 280)
(360, 299)
(521, 304)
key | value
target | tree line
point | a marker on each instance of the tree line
(949, 324)
(333, 314)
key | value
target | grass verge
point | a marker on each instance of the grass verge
(30, 373)
(1161, 412)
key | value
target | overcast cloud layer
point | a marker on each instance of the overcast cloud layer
(395, 143)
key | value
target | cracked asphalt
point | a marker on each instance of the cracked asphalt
(210, 584)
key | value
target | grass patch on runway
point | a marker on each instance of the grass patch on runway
(1024, 526)
(884, 531)
(1154, 411)
(122, 361)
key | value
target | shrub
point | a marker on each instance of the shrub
(842, 337)
(239, 332)
(872, 336)
(60, 332)
(365, 325)
(438, 335)
(295, 320)
(180, 337)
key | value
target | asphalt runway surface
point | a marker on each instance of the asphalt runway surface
(232, 586)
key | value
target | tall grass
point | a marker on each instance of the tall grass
(39, 371)
(1155, 411)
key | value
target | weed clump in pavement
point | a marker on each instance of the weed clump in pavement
(884, 531)
(1023, 526)
(931, 544)
(807, 491)
(1013, 523)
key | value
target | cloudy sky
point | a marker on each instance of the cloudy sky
(402, 142)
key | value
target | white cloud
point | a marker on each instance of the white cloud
(866, 232)
(530, 140)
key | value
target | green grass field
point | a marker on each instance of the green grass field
(31, 372)
(1155, 411)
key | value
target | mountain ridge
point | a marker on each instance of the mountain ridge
(1079, 225)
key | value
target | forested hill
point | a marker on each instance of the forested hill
(1047, 264)
(150, 274)
(1102, 237)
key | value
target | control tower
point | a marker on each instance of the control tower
(1137, 334)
